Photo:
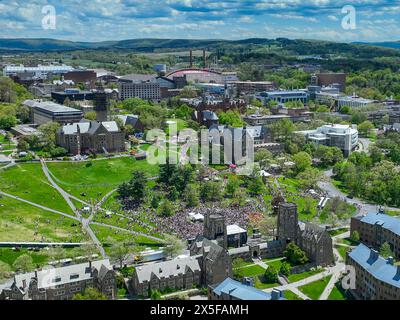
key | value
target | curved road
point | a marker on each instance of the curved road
(333, 192)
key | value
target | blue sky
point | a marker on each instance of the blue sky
(97, 20)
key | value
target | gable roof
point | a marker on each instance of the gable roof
(167, 269)
(311, 231)
(387, 222)
(90, 127)
(47, 278)
(376, 265)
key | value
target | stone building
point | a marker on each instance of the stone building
(175, 274)
(62, 283)
(94, 136)
(376, 278)
(377, 228)
(312, 239)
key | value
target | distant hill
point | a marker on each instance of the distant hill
(295, 47)
(388, 44)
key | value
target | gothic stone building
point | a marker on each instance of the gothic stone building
(86, 135)
(175, 274)
(314, 240)
(377, 228)
(62, 283)
(209, 263)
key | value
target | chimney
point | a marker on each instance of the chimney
(374, 255)
(90, 264)
(390, 261)
(36, 275)
(204, 59)
(191, 59)
(276, 294)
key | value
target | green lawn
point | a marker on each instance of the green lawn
(96, 178)
(337, 293)
(333, 233)
(104, 233)
(300, 276)
(22, 222)
(252, 270)
(260, 284)
(9, 256)
(28, 182)
(343, 251)
(289, 295)
(315, 289)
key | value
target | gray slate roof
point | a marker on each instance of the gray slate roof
(166, 269)
(387, 222)
(57, 276)
(377, 266)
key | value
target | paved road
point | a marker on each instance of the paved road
(333, 192)
(39, 206)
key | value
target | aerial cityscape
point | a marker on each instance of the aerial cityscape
(199, 151)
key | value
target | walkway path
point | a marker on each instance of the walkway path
(39, 206)
(67, 198)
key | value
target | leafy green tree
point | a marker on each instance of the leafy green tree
(7, 122)
(211, 191)
(134, 190)
(23, 263)
(155, 295)
(90, 294)
(294, 255)
(366, 127)
(191, 195)
(120, 251)
(92, 115)
(355, 236)
(232, 186)
(285, 269)
(271, 275)
(174, 246)
(231, 118)
(386, 250)
(166, 208)
(237, 268)
(302, 161)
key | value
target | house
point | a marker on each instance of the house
(85, 136)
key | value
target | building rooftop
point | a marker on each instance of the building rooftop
(234, 229)
(49, 106)
(376, 265)
(63, 275)
(167, 269)
(387, 222)
(241, 291)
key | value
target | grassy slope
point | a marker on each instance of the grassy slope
(22, 222)
(28, 182)
(98, 178)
